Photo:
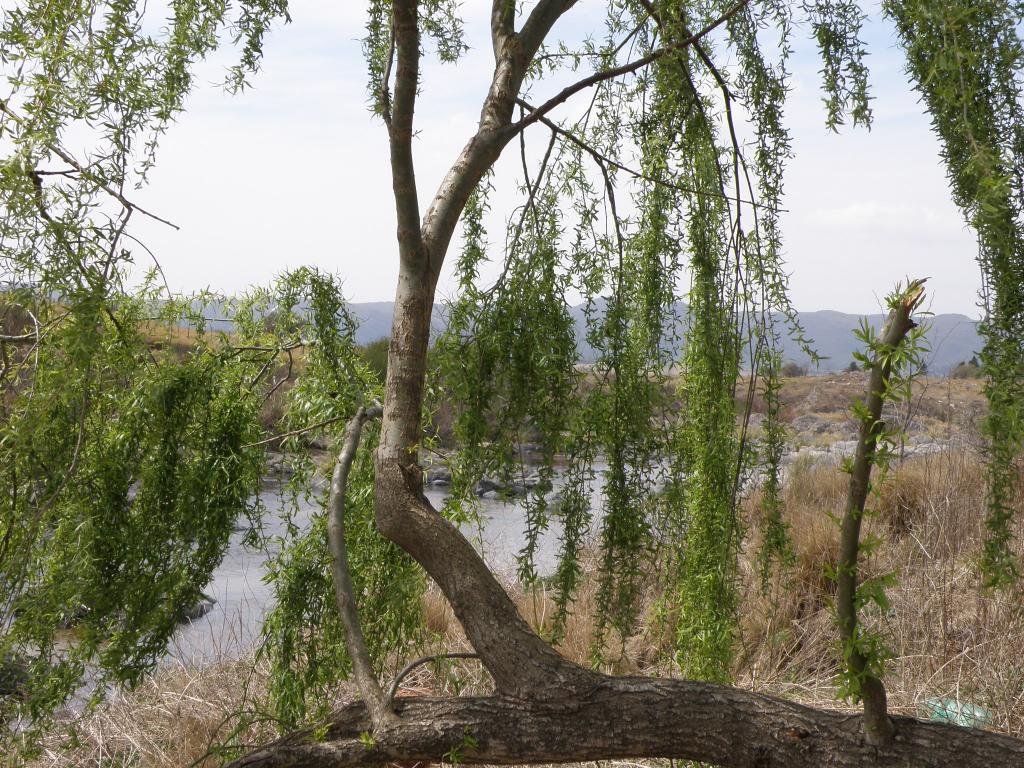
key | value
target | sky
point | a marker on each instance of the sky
(295, 171)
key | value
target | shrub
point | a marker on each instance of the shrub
(969, 369)
(791, 369)
(375, 354)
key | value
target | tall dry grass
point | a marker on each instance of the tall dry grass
(948, 638)
(176, 718)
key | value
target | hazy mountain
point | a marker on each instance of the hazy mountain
(953, 338)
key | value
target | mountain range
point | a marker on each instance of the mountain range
(952, 338)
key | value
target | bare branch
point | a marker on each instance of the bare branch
(403, 173)
(408, 668)
(385, 81)
(601, 158)
(294, 432)
(483, 149)
(532, 188)
(697, 46)
(609, 74)
(67, 158)
(362, 668)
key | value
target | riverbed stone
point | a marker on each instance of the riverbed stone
(73, 615)
(438, 476)
(199, 609)
(486, 485)
(278, 466)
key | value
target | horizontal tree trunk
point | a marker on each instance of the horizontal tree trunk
(635, 718)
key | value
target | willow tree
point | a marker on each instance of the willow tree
(660, 180)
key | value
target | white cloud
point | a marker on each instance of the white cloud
(295, 171)
(900, 217)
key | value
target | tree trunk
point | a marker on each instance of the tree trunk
(635, 718)
(546, 709)
(878, 727)
(520, 661)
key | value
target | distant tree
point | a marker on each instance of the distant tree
(852, 367)
(793, 369)
(375, 355)
(969, 369)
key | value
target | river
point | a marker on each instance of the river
(242, 597)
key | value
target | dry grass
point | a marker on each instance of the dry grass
(940, 407)
(948, 639)
(637, 654)
(173, 720)
(817, 408)
(175, 340)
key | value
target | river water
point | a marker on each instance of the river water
(242, 597)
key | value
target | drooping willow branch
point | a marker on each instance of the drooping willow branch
(603, 159)
(362, 668)
(964, 59)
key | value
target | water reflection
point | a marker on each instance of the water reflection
(234, 622)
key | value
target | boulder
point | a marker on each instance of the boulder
(486, 485)
(14, 675)
(278, 466)
(73, 616)
(438, 476)
(810, 424)
(199, 609)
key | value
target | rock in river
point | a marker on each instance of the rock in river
(202, 607)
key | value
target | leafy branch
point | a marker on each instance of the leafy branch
(889, 357)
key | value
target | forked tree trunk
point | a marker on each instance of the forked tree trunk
(546, 709)
(520, 662)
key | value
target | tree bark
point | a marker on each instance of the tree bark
(519, 660)
(636, 718)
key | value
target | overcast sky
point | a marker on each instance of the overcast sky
(295, 171)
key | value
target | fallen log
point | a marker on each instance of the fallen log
(633, 717)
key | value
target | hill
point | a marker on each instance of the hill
(953, 338)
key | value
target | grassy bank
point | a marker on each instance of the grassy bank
(948, 640)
